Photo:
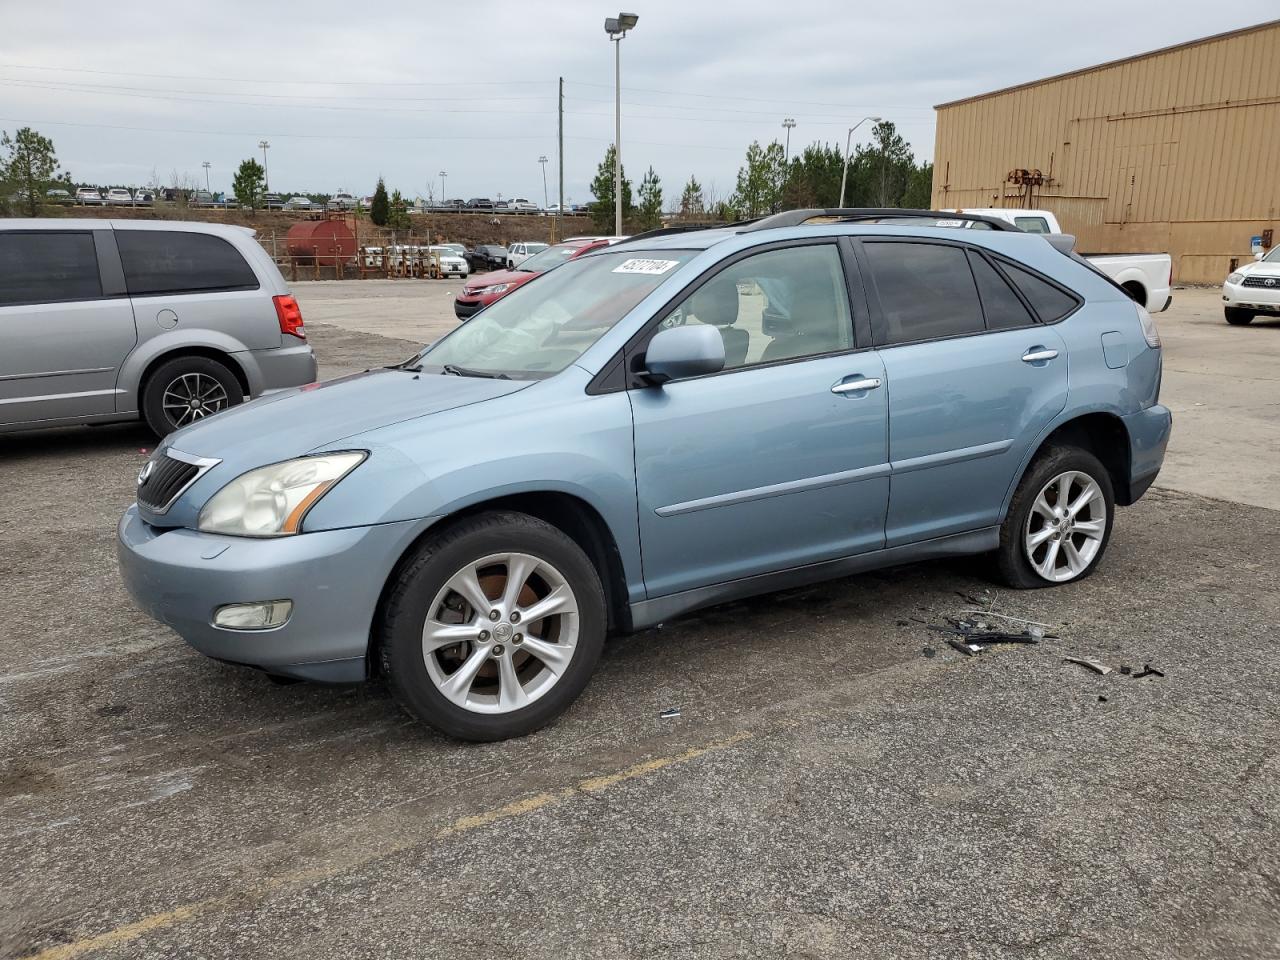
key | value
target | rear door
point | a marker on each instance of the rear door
(185, 281)
(972, 382)
(66, 325)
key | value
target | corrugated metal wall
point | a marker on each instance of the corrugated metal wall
(1178, 150)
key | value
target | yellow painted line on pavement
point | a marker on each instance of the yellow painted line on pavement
(191, 911)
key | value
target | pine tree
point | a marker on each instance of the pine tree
(692, 204)
(602, 211)
(650, 211)
(247, 184)
(380, 208)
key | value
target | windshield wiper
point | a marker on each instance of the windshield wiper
(404, 365)
(464, 372)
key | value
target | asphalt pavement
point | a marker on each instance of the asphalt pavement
(837, 781)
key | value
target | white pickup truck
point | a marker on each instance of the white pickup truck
(1147, 277)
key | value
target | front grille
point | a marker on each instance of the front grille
(1271, 283)
(167, 478)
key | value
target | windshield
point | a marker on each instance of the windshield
(550, 257)
(540, 328)
(1273, 256)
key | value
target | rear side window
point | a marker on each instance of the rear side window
(1031, 224)
(1001, 305)
(47, 268)
(1047, 300)
(165, 261)
(926, 291)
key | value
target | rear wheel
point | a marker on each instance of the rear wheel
(1237, 316)
(494, 627)
(1059, 521)
(185, 390)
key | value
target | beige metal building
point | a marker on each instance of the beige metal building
(1174, 150)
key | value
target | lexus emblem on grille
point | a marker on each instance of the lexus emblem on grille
(145, 473)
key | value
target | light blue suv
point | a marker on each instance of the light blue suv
(669, 423)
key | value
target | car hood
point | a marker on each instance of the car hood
(1261, 268)
(294, 422)
(500, 276)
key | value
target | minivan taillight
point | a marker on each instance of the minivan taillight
(290, 315)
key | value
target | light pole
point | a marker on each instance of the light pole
(206, 165)
(444, 197)
(616, 28)
(543, 160)
(788, 124)
(844, 175)
(266, 180)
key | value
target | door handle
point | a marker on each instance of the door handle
(856, 386)
(1039, 355)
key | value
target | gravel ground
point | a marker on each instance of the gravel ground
(837, 782)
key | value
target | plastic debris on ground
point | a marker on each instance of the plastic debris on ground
(669, 714)
(1088, 664)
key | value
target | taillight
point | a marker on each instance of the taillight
(290, 315)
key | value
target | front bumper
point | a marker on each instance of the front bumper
(334, 578)
(1258, 299)
(466, 309)
(1148, 431)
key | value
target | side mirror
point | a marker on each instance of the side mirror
(1260, 254)
(679, 352)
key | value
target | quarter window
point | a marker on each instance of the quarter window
(926, 291)
(1001, 305)
(169, 261)
(778, 305)
(1031, 224)
(47, 268)
(1047, 300)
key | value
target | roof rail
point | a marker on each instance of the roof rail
(796, 218)
(678, 228)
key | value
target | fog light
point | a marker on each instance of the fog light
(253, 616)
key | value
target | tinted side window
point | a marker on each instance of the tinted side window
(164, 261)
(1001, 305)
(926, 291)
(47, 267)
(773, 306)
(1049, 302)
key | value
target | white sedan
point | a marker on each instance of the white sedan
(1253, 290)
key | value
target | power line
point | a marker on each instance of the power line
(289, 80)
(781, 100)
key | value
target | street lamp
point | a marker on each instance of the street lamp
(444, 197)
(266, 180)
(616, 28)
(788, 124)
(844, 175)
(543, 160)
(206, 166)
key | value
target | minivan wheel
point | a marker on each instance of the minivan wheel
(186, 390)
(493, 628)
(1059, 521)
(1238, 317)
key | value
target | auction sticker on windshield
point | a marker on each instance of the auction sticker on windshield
(654, 268)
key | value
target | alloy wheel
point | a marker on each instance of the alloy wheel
(500, 633)
(1065, 526)
(193, 396)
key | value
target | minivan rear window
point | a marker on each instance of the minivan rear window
(47, 267)
(172, 261)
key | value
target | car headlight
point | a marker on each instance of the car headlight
(272, 501)
(496, 288)
(1236, 277)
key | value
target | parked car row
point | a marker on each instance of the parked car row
(482, 291)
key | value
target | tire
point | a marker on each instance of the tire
(1078, 544)
(1237, 316)
(183, 376)
(489, 685)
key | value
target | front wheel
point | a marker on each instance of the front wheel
(1238, 317)
(1059, 520)
(494, 628)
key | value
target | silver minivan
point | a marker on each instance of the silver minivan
(169, 322)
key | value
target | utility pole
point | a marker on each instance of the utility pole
(788, 123)
(560, 211)
(266, 180)
(444, 197)
(848, 143)
(543, 160)
(206, 166)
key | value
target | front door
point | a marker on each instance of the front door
(972, 383)
(62, 338)
(780, 460)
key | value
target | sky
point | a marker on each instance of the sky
(136, 93)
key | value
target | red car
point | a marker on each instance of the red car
(480, 291)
